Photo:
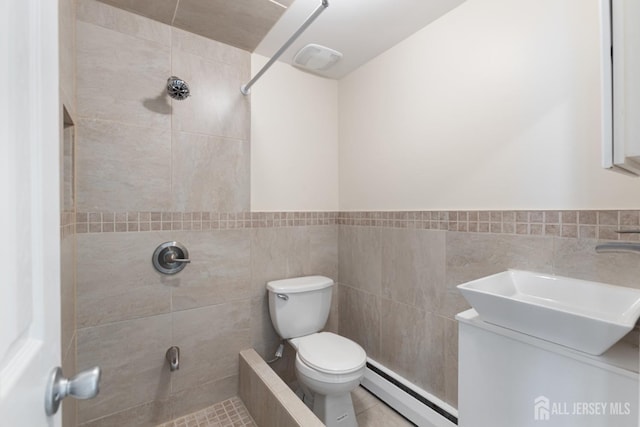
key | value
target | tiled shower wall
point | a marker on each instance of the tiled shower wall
(151, 170)
(66, 10)
(129, 315)
(398, 273)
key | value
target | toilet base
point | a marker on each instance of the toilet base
(335, 411)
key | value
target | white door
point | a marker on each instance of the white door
(29, 210)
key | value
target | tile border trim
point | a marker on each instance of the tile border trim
(107, 222)
(583, 224)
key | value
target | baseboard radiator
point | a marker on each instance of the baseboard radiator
(418, 406)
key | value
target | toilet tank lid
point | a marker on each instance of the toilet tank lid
(299, 284)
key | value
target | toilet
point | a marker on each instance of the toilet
(328, 366)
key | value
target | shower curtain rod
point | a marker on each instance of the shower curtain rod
(246, 89)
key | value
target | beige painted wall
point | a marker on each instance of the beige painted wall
(494, 106)
(294, 140)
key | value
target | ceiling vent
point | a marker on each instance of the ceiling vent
(314, 57)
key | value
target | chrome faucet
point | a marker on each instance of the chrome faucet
(173, 357)
(619, 246)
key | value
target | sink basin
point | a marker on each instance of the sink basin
(580, 314)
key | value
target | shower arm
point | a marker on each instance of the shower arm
(246, 89)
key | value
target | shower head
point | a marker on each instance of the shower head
(177, 88)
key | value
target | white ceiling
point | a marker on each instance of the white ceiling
(359, 29)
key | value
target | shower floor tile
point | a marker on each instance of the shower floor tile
(228, 413)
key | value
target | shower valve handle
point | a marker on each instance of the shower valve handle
(171, 257)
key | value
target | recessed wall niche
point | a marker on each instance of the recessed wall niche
(67, 183)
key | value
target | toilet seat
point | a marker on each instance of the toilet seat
(340, 380)
(331, 354)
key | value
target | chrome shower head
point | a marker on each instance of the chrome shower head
(177, 88)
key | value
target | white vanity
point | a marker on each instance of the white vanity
(508, 378)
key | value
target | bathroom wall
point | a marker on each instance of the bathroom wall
(447, 141)
(68, 260)
(493, 106)
(398, 273)
(152, 170)
(294, 140)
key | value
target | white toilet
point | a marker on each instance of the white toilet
(328, 366)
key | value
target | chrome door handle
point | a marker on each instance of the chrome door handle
(85, 385)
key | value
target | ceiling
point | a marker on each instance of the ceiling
(359, 29)
(239, 23)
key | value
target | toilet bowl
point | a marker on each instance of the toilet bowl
(328, 366)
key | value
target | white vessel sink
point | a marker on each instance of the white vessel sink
(583, 315)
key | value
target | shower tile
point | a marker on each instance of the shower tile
(334, 314)
(158, 10)
(451, 362)
(360, 318)
(69, 406)
(360, 258)
(68, 264)
(195, 398)
(216, 107)
(413, 267)
(411, 342)
(264, 338)
(149, 414)
(67, 51)
(608, 218)
(116, 280)
(472, 256)
(278, 253)
(211, 353)
(241, 23)
(134, 369)
(578, 258)
(122, 78)
(230, 412)
(220, 269)
(210, 173)
(122, 21)
(268, 398)
(629, 219)
(201, 46)
(323, 251)
(122, 167)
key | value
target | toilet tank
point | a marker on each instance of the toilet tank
(299, 306)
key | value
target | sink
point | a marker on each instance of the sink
(580, 314)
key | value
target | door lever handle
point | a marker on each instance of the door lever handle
(85, 385)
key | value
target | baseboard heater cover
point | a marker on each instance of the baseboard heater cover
(413, 403)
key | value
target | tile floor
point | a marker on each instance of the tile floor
(370, 412)
(228, 413)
